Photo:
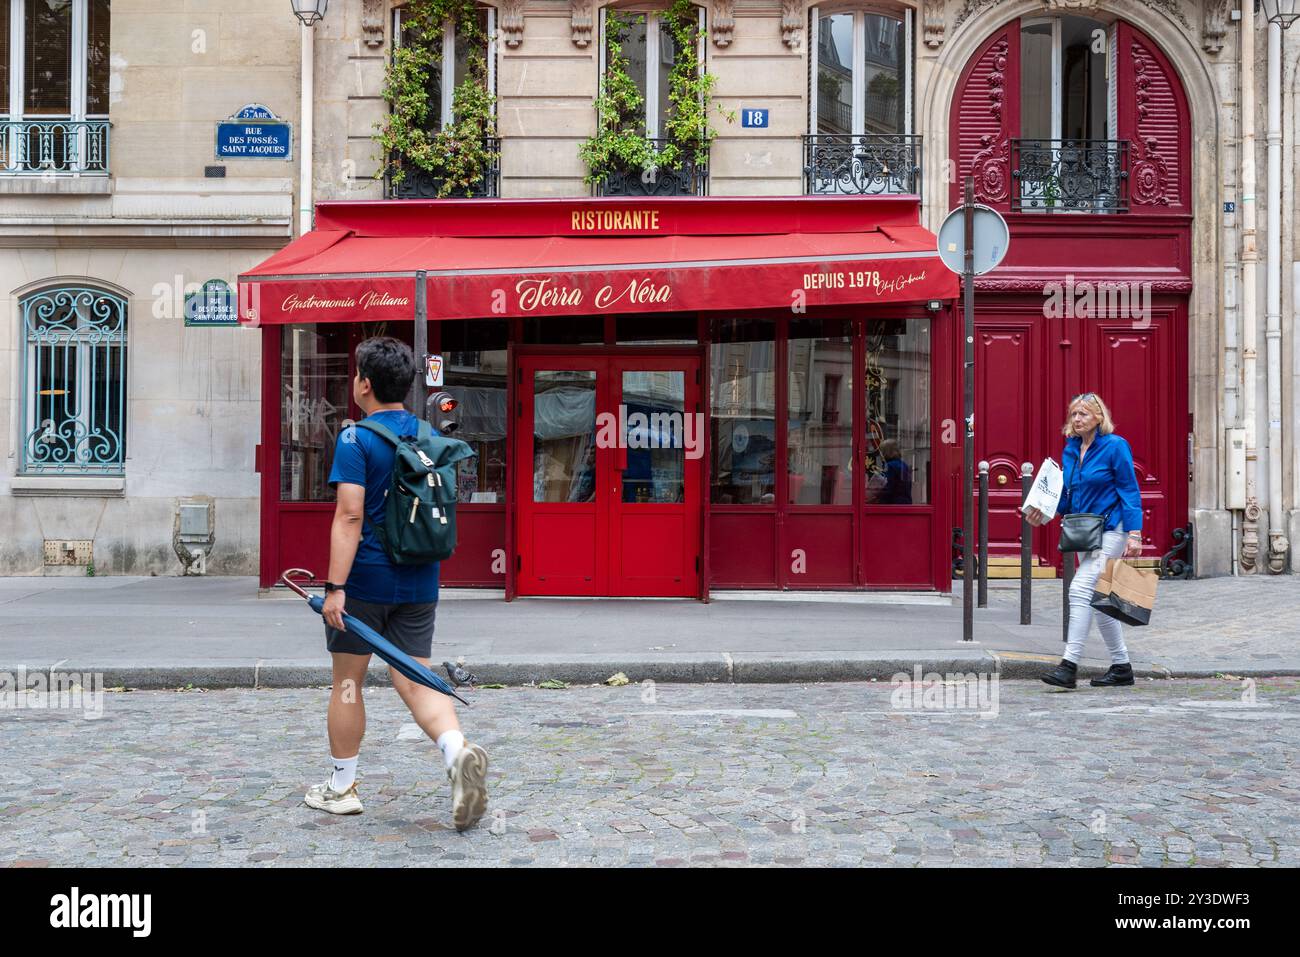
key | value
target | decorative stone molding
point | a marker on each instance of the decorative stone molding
(1036, 285)
(933, 23)
(792, 12)
(1169, 7)
(582, 20)
(510, 22)
(723, 19)
(1087, 6)
(1214, 25)
(971, 8)
(372, 22)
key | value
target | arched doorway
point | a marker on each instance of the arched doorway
(1077, 129)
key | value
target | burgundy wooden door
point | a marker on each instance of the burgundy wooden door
(1012, 419)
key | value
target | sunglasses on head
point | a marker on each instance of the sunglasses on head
(1084, 395)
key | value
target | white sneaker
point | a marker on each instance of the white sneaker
(468, 776)
(324, 798)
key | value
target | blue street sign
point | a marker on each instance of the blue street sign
(753, 118)
(254, 133)
(212, 305)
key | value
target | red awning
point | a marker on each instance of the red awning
(485, 258)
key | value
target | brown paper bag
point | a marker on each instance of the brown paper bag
(1125, 593)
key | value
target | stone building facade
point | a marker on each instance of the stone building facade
(154, 224)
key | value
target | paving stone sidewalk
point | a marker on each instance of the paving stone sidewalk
(165, 632)
(1170, 773)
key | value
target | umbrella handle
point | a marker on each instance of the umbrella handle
(284, 577)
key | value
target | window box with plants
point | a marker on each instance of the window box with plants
(433, 149)
(663, 151)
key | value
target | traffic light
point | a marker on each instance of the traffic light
(441, 407)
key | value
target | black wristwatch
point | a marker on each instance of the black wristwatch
(330, 586)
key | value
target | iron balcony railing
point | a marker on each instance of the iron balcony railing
(870, 164)
(690, 179)
(420, 184)
(54, 147)
(1069, 176)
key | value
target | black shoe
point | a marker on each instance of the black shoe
(1062, 676)
(1116, 676)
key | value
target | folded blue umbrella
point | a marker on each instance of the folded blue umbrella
(384, 648)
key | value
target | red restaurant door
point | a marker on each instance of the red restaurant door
(610, 453)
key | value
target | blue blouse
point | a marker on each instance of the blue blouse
(1106, 481)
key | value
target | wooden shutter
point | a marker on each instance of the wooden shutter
(1154, 118)
(986, 116)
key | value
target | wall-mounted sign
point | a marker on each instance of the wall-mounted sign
(433, 370)
(254, 133)
(754, 118)
(212, 305)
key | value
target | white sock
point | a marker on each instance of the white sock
(345, 773)
(451, 742)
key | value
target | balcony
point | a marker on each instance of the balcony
(54, 147)
(692, 179)
(1069, 176)
(421, 184)
(870, 164)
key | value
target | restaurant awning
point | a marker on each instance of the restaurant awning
(491, 258)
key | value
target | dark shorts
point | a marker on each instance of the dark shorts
(409, 627)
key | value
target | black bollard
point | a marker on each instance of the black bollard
(1026, 547)
(984, 535)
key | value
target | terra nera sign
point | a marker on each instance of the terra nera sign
(254, 133)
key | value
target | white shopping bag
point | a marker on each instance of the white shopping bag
(1045, 493)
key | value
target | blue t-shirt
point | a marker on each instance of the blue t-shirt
(363, 458)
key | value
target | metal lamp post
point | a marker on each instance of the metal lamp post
(1282, 12)
(309, 12)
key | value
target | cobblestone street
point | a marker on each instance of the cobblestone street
(1169, 773)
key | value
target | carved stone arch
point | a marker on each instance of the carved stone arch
(1182, 48)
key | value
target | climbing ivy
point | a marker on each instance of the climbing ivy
(620, 142)
(457, 154)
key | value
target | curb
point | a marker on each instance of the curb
(737, 668)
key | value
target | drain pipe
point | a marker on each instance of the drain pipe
(305, 132)
(1249, 262)
(1278, 545)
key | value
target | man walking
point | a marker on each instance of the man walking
(398, 601)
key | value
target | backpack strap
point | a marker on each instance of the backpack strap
(381, 430)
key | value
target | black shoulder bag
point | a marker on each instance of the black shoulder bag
(1082, 531)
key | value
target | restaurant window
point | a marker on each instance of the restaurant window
(897, 439)
(474, 372)
(74, 382)
(54, 79)
(819, 436)
(861, 66)
(448, 73)
(647, 44)
(564, 435)
(742, 361)
(314, 388)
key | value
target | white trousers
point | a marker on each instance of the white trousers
(1081, 610)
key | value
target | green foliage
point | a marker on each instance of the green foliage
(620, 142)
(457, 154)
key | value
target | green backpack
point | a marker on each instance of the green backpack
(420, 505)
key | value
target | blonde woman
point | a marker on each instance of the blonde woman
(1099, 478)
